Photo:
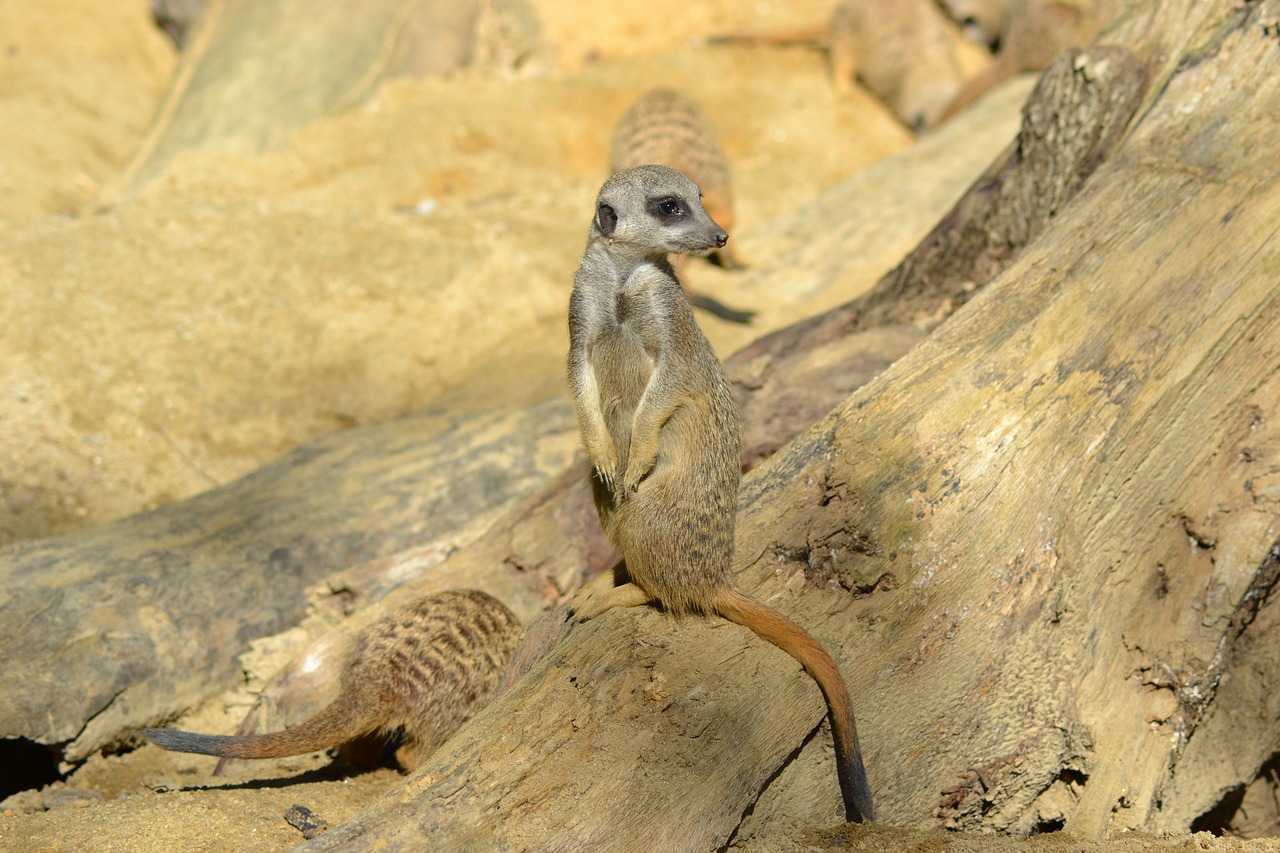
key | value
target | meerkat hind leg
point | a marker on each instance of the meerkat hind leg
(599, 594)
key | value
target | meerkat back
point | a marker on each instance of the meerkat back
(670, 129)
(420, 672)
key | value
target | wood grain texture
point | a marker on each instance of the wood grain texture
(127, 625)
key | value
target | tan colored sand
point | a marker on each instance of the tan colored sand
(242, 305)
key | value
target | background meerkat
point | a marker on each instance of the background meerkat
(661, 428)
(665, 127)
(1029, 34)
(904, 52)
(422, 670)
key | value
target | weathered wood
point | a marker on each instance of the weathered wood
(1033, 544)
(118, 627)
(251, 77)
(1072, 121)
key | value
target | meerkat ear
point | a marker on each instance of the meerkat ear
(606, 220)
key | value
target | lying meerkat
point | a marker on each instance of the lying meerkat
(422, 671)
(1029, 34)
(665, 127)
(661, 427)
(903, 51)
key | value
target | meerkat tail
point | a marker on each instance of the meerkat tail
(809, 37)
(714, 306)
(791, 638)
(336, 724)
(996, 72)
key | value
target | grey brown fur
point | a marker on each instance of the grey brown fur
(1030, 33)
(421, 671)
(902, 50)
(668, 128)
(661, 428)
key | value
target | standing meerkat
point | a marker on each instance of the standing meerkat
(661, 428)
(422, 670)
(665, 127)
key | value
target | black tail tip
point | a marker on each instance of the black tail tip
(180, 741)
(860, 811)
(856, 794)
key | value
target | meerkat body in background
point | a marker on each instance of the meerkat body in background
(424, 669)
(904, 53)
(665, 127)
(661, 427)
(1029, 33)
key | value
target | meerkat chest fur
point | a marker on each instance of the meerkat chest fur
(629, 336)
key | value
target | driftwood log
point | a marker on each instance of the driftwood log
(120, 626)
(1042, 544)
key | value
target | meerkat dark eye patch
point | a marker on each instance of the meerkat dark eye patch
(606, 220)
(668, 208)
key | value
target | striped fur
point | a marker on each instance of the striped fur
(670, 129)
(421, 671)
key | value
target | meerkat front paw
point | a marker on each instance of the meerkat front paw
(605, 463)
(608, 476)
(631, 482)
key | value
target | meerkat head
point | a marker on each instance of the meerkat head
(981, 20)
(650, 211)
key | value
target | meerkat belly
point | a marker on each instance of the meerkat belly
(623, 367)
(677, 529)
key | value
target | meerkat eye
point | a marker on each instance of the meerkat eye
(667, 208)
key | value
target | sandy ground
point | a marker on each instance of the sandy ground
(248, 302)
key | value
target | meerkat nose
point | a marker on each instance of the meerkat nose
(721, 239)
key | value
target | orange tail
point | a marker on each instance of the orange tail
(997, 71)
(795, 641)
